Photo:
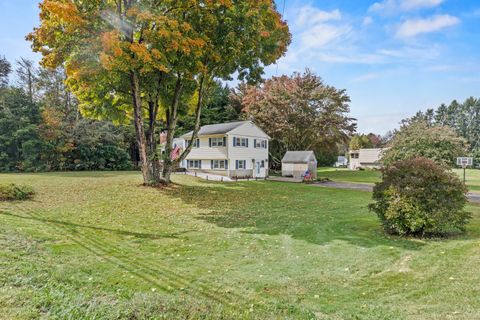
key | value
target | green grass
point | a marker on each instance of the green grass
(372, 176)
(100, 246)
(345, 175)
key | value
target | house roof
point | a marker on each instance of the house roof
(220, 128)
(299, 157)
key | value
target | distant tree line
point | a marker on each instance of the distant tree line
(42, 128)
(462, 118)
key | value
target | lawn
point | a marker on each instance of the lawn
(372, 176)
(100, 246)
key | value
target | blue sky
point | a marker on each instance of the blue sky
(394, 57)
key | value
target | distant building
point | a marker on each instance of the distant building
(342, 161)
(365, 159)
(298, 163)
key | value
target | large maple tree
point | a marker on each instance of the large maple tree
(151, 60)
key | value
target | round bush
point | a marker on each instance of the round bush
(421, 198)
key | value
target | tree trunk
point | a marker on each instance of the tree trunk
(146, 163)
(170, 164)
(172, 118)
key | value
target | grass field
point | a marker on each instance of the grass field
(372, 176)
(99, 246)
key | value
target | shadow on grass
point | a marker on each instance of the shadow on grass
(116, 231)
(154, 272)
(317, 215)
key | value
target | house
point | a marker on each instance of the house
(365, 159)
(342, 161)
(236, 150)
(297, 163)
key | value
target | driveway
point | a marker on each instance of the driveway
(472, 197)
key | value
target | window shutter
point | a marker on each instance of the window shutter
(210, 142)
(226, 164)
(247, 142)
(236, 164)
(198, 143)
(224, 141)
(254, 143)
(211, 164)
(200, 164)
(234, 141)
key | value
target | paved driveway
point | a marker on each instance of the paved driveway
(472, 197)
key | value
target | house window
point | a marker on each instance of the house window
(219, 164)
(262, 164)
(355, 155)
(196, 143)
(241, 164)
(260, 144)
(240, 142)
(194, 164)
(217, 142)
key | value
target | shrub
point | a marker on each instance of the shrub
(15, 192)
(419, 197)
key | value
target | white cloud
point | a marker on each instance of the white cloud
(394, 6)
(411, 28)
(309, 15)
(321, 35)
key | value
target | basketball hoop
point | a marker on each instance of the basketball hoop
(464, 162)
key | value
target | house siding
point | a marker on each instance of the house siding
(250, 154)
(205, 152)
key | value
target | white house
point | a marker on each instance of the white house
(236, 149)
(297, 163)
(365, 159)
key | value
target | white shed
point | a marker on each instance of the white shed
(297, 163)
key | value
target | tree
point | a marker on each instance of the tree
(299, 112)
(5, 69)
(27, 77)
(154, 60)
(417, 139)
(464, 118)
(20, 142)
(216, 110)
(360, 141)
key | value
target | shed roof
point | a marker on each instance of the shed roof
(299, 157)
(220, 128)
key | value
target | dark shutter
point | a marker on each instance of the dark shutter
(236, 164)
(200, 164)
(198, 143)
(234, 141)
(211, 164)
(210, 142)
(247, 141)
(224, 141)
(254, 143)
(226, 164)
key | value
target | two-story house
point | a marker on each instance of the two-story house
(235, 149)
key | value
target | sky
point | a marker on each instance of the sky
(393, 57)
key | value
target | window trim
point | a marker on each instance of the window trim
(216, 165)
(241, 139)
(217, 142)
(197, 164)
